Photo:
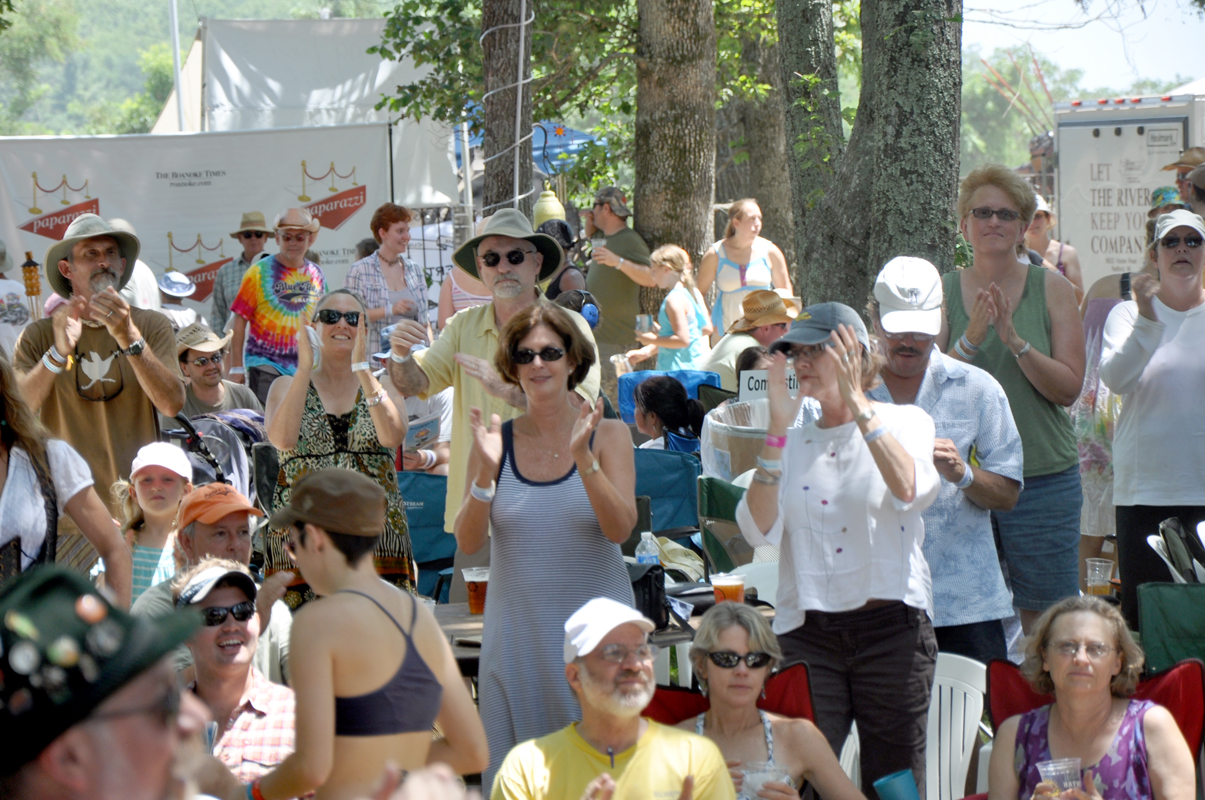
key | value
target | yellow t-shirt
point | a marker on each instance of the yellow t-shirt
(474, 332)
(560, 765)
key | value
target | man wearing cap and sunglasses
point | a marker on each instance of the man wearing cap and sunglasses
(99, 369)
(253, 233)
(1189, 160)
(613, 751)
(510, 259)
(201, 352)
(972, 416)
(766, 319)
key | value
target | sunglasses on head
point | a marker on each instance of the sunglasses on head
(216, 615)
(331, 317)
(515, 257)
(253, 234)
(203, 361)
(525, 356)
(1171, 242)
(1005, 214)
(726, 659)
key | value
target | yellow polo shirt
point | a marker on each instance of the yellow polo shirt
(474, 332)
(560, 765)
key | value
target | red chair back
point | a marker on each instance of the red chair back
(1180, 689)
(788, 693)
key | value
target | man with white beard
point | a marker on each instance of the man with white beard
(98, 369)
(613, 751)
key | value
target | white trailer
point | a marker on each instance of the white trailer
(1110, 156)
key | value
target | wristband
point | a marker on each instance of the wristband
(968, 477)
(237, 371)
(776, 441)
(398, 358)
(771, 467)
(484, 495)
(361, 366)
(56, 356)
(429, 459)
(877, 433)
(766, 478)
(50, 365)
(966, 344)
(1023, 350)
(961, 352)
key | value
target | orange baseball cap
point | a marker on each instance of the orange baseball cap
(212, 502)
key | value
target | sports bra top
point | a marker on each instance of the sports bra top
(409, 702)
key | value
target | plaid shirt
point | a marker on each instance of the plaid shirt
(366, 279)
(225, 288)
(261, 734)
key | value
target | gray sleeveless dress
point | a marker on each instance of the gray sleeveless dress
(548, 556)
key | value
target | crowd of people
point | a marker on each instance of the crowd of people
(922, 482)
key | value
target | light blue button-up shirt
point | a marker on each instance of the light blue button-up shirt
(970, 408)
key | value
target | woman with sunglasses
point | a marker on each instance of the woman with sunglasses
(1082, 653)
(334, 413)
(1152, 358)
(559, 500)
(733, 654)
(1021, 323)
(843, 496)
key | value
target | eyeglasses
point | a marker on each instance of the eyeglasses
(525, 356)
(294, 237)
(515, 257)
(919, 338)
(253, 234)
(203, 361)
(331, 317)
(726, 659)
(1172, 242)
(808, 351)
(1095, 650)
(1005, 214)
(216, 615)
(164, 710)
(617, 653)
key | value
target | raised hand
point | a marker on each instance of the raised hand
(111, 310)
(359, 351)
(487, 441)
(948, 461)
(845, 353)
(1144, 287)
(601, 788)
(983, 315)
(67, 325)
(272, 589)
(783, 408)
(583, 427)
(1004, 319)
(305, 348)
(484, 371)
(406, 335)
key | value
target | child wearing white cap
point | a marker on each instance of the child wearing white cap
(160, 477)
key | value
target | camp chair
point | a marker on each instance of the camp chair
(424, 497)
(711, 396)
(788, 693)
(722, 541)
(1171, 617)
(955, 709)
(668, 480)
(690, 378)
(1181, 690)
(681, 444)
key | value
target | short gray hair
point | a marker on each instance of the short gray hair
(720, 618)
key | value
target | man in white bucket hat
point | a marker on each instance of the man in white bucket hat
(99, 369)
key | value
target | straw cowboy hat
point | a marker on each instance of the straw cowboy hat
(510, 222)
(88, 226)
(763, 307)
(200, 338)
(252, 221)
(295, 218)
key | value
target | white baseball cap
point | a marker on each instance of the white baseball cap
(591, 623)
(162, 454)
(1042, 205)
(909, 293)
(1181, 217)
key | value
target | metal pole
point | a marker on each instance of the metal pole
(176, 62)
(519, 94)
(466, 164)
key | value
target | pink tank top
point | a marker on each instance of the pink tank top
(462, 299)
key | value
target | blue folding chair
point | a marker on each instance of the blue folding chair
(424, 497)
(670, 481)
(690, 378)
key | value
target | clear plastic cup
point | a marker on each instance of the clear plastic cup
(728, 587)
(758, 773)
(621, 364)
(1100, 570)
(644, 323)
(476, 580)
(1063, 773)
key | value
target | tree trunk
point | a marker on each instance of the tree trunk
(503, 56)
(675, 127)
(812, 107)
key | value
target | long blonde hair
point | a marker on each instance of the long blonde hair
(738, 211)
(674, 257)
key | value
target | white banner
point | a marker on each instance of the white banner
(185, 193)
(752, 384)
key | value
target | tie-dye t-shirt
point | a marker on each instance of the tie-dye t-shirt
(274, 299)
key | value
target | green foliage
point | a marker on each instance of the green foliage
(6, 7)
(42, 32)
(137, 114)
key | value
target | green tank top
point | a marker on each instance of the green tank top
(1047, 437)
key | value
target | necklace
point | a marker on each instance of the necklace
(396, 259)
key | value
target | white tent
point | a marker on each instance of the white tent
(256, 74)
(1192, 87)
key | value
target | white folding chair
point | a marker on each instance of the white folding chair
(851, 758)
(1159, 546)
(661, 666)
(959, 685)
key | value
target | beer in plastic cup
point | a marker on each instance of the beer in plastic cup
(1100, 570)
(477, 580)
(728, 587)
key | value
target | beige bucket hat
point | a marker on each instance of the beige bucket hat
(510, 222)
(252, 221)
(88, 226)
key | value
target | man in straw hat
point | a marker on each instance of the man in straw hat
(277, 295)
(201, 352)
(767, 317)
(1189, 160)
(509, 258)
(252, 234)
(99, 369)
(14, 312)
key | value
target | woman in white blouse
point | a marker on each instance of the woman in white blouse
(843, 498)
(1152, 357)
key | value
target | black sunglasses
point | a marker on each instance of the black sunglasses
(216, 615)
(525, 356)
(204, 361)
(1005, 214)
(1172, 242)
(726, 659)
(331, 317)
(514, 257)
(253, 234)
